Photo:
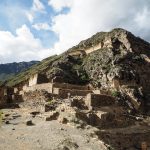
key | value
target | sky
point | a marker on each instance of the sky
(36, 29)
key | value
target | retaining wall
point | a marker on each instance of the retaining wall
(70, 86)
(45, 86)
(63, 93)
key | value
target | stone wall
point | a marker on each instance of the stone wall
(37, 79)
(96, 100)
(102, 92)
(2, 97)
(33, 80)
(77, 53)
(35, 100)
(6, 95)
(106, 43)
(63, 93)
(70, 86)
(45, 86)
(50, 87)
(94, 48)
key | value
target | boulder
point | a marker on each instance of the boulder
(53, 116)
(29, 123)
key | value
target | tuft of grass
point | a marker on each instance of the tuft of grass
(1, 116)
(50, 101)
(115, 93)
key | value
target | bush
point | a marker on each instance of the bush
(115, 93)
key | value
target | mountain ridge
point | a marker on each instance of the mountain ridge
(10, 69)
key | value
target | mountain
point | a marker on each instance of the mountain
(10, 69)
(115, 61)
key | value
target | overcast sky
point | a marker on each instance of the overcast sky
(36, 29)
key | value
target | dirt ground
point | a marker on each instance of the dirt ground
(21, 130)
(44, 135)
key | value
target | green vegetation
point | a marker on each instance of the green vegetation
(50, 101)
(115, 93)
(9, 70)
(37, 68)
(1, 116)
(110, 148)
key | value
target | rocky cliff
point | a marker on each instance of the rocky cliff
(115, 61)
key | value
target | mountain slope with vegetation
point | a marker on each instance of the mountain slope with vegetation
(10, 69)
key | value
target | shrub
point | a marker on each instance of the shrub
(50, 101)
(115, 93)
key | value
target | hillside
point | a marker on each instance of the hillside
(10, 69)
(116, 61)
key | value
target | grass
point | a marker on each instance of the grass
(50, 101)
(1, 116)
(37, 68)
(115, 93)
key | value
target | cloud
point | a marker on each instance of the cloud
(30, 17)
(38, 6)
(21, 47)
(86, 17)
(143, 18)
(58, 5)
(41, 26)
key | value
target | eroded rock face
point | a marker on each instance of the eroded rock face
(123, 64)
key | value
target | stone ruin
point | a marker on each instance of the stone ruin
(37, 79)
(74, 105)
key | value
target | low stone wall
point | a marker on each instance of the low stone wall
(63, 93)
(96, 100)
(45, 86)
(52, 87)
(70, 86)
